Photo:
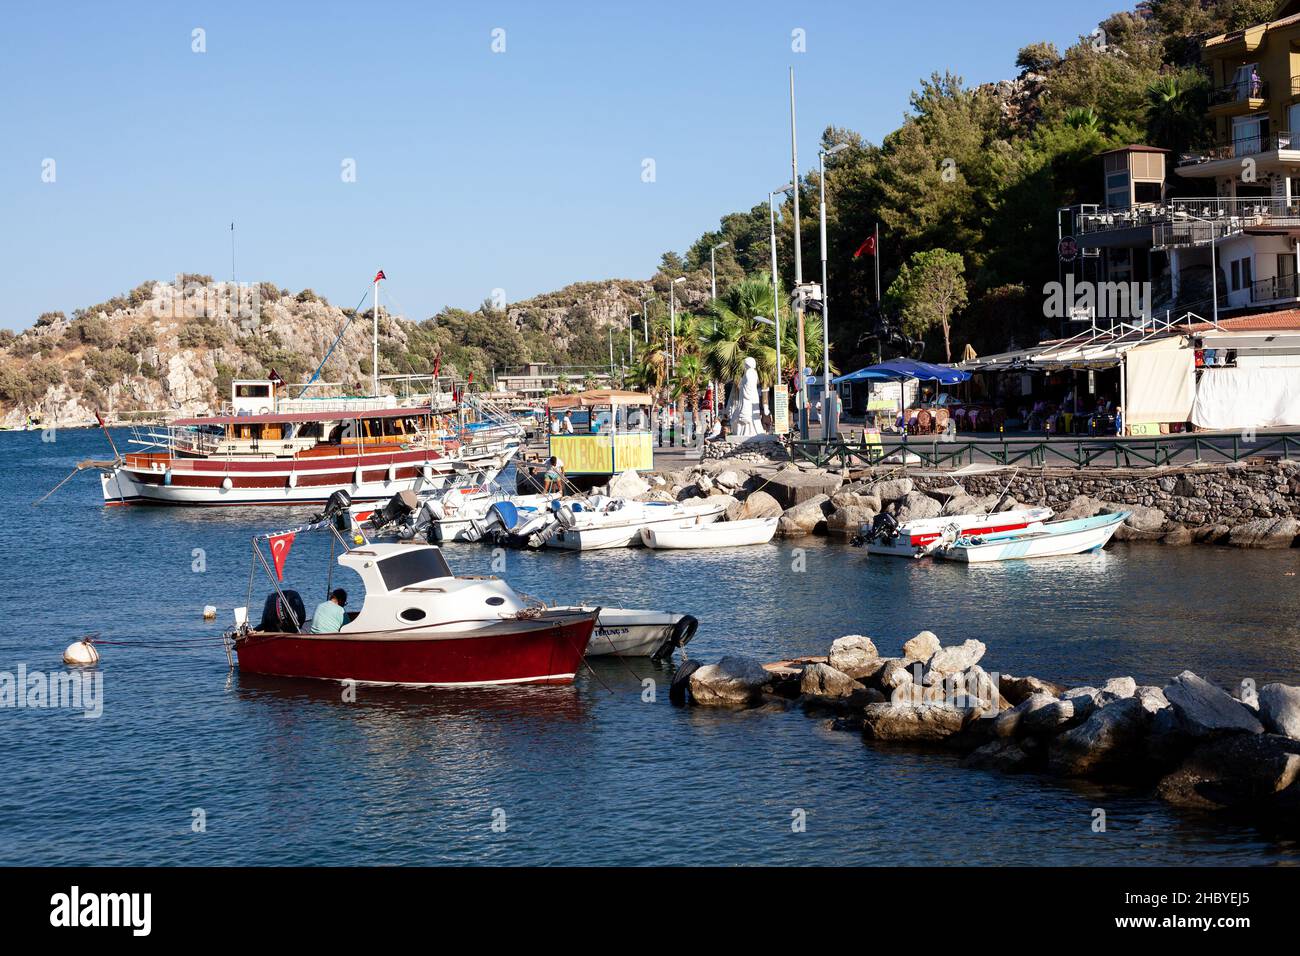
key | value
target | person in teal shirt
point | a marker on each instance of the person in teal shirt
(328, 618)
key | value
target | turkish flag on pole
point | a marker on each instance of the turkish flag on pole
(380, 275)
(868, 248)
(280, 545)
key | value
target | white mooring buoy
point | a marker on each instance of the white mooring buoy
(209, 612)
(81, 654)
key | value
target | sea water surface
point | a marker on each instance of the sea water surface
(191, 763)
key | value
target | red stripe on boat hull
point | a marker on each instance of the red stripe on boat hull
(533, 654)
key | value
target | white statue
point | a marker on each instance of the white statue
(747, 422)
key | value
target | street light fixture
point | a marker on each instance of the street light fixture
(645, 315)
(713, 268)
(829, 411)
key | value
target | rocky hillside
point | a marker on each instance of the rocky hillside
(172, 348)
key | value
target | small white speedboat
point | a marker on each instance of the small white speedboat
(1051, 540)
(617, 523)
(884, 536)
(628, 632)
(718, 534)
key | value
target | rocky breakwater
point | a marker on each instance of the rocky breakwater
(1193, 743)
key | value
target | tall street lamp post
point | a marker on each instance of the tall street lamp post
(830, 411)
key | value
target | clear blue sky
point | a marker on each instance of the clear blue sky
(475, 171)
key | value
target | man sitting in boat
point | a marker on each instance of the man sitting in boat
(328, 618)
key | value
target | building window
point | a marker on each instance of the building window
(1236, 274)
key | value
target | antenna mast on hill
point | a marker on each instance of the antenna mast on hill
(232, 252)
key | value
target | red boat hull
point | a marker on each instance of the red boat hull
(546, 650)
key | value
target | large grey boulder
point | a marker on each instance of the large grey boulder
(1085, 701)
(962, 505)
(1107, 739)
(1118, 688)
(1269, 533)
(1081, 507)
(1153, 699)
(1145, 520)
(804, 519)
(951, 660)
(1047, 719)
(1233, 772)
(731, 480)
(628, 485)
(793, 487)
(922, 647)
(855, 655)
(913, 722)
(732, 682)
(849, 520)
(1204, 710)
(822, 680)
(1017, 689)
(892, 489)
(895, 674)
(854, 499)
(1279, 709)
(915, 506)
(760, 504)
(1008, 723)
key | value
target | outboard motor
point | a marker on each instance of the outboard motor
(336, 509)
(883, 527)
(398, 508)
(276, 617)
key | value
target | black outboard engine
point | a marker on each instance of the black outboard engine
(883, 527)
(336, 509)
(398, 508)
(276, 617)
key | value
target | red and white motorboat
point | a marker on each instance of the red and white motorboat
(884, 536)
(298, 453)
(419, 626)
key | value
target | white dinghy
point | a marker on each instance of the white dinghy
(1052, 540)
(629, 632)
(617, 523)
(719, 534)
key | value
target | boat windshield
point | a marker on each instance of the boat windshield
(412, 567)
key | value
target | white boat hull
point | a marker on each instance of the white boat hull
(718, 534)
(914, 536)
(632, 633)
(1044, 542)
(598, 531)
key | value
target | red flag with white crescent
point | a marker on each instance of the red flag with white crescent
(867, 248)
(280, 545)
(380, 275)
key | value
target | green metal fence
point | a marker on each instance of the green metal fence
(1038, 452)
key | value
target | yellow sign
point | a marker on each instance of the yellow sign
(604, 454)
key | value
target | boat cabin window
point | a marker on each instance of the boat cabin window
(412, 567)
(253, 391)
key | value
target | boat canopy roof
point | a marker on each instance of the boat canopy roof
(324, 415)
(600, 396)
(391, 567)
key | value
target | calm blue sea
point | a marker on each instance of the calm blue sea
(289, 773)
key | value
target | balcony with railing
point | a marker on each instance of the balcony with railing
(1240, 96)
(1275, 289)
(1239, 148)
(1189, 222)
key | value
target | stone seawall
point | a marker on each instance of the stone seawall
(1238, 503)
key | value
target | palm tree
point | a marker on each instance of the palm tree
(562, 384)
(692, 378)
(1175, 107)
(1083, 118)
(650, 374)
(588, 382)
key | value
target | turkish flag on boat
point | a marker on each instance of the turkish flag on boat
(868, 248)
(280, 545)
(380, 275)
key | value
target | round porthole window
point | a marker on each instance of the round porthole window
(496, 601)
(412, 614)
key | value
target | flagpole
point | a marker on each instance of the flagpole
(877, 263)
(374, 347)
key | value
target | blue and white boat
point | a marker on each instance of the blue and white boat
(1050, 540)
